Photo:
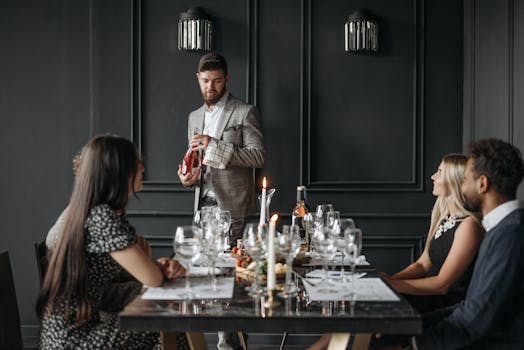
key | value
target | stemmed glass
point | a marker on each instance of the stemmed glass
(323, 210)
(204, 216)
(332, 219)
(212, 244)
(288, 244)
(186, 245)
(339, 234)
(353, 238)
(224, 224)
(255, 241)
(325, 249)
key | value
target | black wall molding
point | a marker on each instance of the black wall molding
(415, 182)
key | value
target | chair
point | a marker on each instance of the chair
(10, 335)
(41, 259)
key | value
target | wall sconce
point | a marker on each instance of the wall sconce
(361, 32)
(195, 30)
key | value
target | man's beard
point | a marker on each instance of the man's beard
(472, 204)
(213, 100)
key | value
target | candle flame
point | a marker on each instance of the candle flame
(264, 183)
(274, 218)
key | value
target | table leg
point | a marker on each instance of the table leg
(195, 340)
(242, 340)
(362, 341)
(339, 341)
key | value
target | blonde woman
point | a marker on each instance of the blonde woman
(441, 275)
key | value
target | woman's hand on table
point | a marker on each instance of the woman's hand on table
(171, 268)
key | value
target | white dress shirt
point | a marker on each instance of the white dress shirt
(496, 215)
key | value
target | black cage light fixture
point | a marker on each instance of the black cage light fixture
(195, 30)
(361, 32)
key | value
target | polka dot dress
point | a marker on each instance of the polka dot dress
(104, 232)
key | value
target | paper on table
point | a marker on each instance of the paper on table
(174, 290)
(361, 261)
(332, 274)
(366, 289)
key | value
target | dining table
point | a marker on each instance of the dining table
(355, 318)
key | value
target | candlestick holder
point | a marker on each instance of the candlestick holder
(271, 302)
(269, 194)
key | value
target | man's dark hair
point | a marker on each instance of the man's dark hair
(500, 162)
(212, 61)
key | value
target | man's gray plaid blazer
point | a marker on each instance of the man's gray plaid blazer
(238, 148)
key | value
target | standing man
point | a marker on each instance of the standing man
(228, 132)
(492, 314)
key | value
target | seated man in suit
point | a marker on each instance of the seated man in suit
(492, 314)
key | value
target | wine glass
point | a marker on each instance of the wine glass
(332, 218)
(288, 244)
(208, 216)
(255, 241)
(325, 249)
(353, 238)
(186, 245)
(338, 232)
(212, 245)
(322, 210)
(224, 224)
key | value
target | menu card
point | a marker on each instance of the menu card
(365, 289)
(337, 261)
(201, 288)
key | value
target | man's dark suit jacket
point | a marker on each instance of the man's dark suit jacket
(492, 314)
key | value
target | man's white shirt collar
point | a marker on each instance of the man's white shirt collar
(496, 215)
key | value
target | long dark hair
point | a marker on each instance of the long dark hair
(107, 164)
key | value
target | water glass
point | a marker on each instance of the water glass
(212, 245)
(325, 249)
(353, 238)
(288, 245)
(255, 243)
(224, 224)
(186, 245)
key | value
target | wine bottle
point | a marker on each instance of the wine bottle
(299, 212)
(191, 160)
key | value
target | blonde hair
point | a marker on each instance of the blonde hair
(453, 166)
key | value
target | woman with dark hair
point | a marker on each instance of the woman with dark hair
(96, 244)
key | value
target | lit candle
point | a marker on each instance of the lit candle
(271, 277)
(263, 203)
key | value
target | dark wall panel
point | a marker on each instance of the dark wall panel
(278, 96)
(45, 119)
(493, 71)
(357, 99)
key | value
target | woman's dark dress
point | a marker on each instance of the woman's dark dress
(438, 252)
(104, 232)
